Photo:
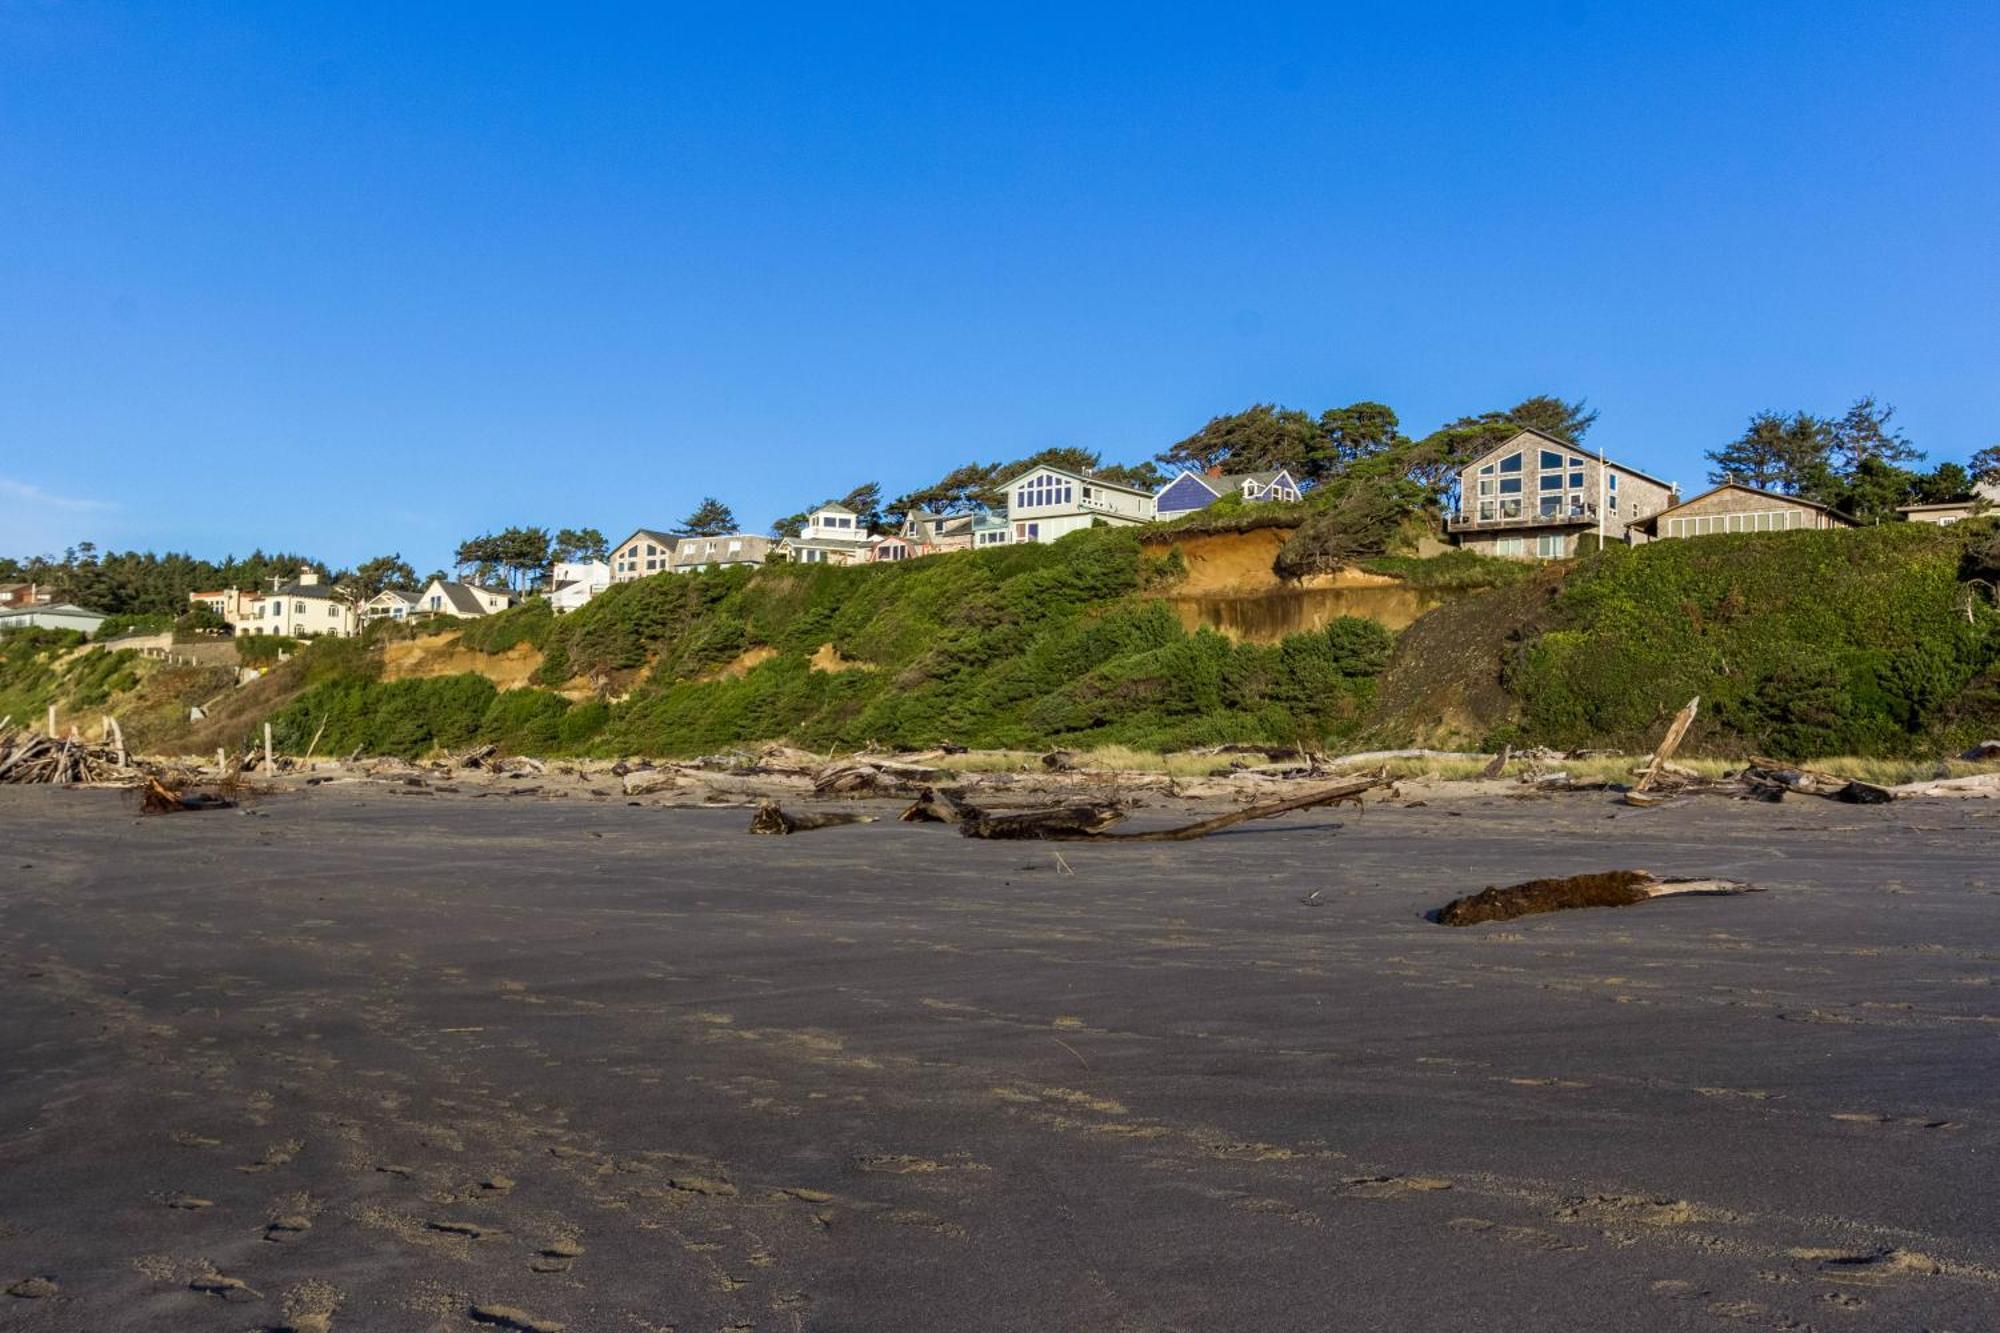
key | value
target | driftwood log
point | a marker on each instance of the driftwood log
(1609, 888)
(1090, 821)
(771, 818)
(1676, 732)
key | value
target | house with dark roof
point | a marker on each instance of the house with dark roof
(1536, 496)
(466, 601)
(1193, 490)
(1734, 507)
(305, 608)
(646, 551)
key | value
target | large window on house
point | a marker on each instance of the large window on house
(1551, 546)
(1769, 520)
(1511, 546)
(1043, 490)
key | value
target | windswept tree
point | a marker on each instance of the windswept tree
(1864, 432)
(1554, 416)
(1985, 465)
(519, 555)
(711, 518)
(384, 571)
(1786, 454)
(1259, 438)
(580, 544)
(866, 502)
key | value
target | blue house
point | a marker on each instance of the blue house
(1193, 490)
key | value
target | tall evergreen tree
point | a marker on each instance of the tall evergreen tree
(711, 518)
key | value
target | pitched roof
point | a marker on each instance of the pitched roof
(1800, 501)
(310, 590)
(833, 509)
(666, 539)
(1568, 447)
(1235, 480)
(1085, 477)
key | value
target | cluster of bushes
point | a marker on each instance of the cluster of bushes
(263, 649)
(1800, 644)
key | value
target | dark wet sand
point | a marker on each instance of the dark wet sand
(609, 1068)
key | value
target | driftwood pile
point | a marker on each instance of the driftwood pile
(1070, 821)
(31, 758)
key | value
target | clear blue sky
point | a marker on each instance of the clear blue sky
(362, 278)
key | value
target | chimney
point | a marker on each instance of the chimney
(308, 577)
(1213, 470)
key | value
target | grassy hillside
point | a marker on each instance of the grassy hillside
(1022, 646)
(1864, 642)
(1855, 642)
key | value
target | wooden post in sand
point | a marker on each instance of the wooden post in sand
(270, 764)
(52, 721)
(116, 734)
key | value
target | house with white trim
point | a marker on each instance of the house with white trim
(1044, 503)
(306, 608)
(572, 583)
(467, 601)
(1193, 490)
(646, 551)
(389, 604)
(1537, 495)
(833, 535)
(990, 530)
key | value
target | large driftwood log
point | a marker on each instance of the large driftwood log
(1668, 744)
(770, 818)
(1767, 773)
(1609, 888)
(1089, 822)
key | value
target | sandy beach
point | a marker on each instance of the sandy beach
(352, 1059)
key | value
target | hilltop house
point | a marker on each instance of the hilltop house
(306, 608)
(572, 583)
(833, 535)
(446, 597)
(389, 604)
(236, 607)
(924, 533)
(1536, 495)
(725, 551)
(1193, 490)
(1734, 507)
(644, 552)
(23, 594)
(1045, 503)
(990, 530)
(1984, 498)
(50, 615)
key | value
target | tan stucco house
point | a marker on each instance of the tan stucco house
(1536, 495)
(1985, 499)
(1734, 507)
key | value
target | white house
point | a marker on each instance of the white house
(726, 550)
(644, 552)
(50, 615)
(466, 600)
(306, 608)
(574, 582)
(389, 604)
(1045, 503)
(833, 535)
(1197, 490)
(989, 530)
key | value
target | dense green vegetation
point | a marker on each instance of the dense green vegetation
(1800, 644)
(1021, 646)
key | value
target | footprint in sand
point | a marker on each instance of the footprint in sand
(287, 1229)
(33, 1289)
(508, 1316)
(558, 1256)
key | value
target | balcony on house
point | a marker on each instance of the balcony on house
(1512, 513)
